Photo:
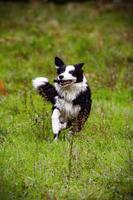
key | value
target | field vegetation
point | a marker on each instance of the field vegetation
(97, 163)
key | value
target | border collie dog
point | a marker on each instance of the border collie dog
(70, 97)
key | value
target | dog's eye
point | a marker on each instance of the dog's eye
(71, 72)
(60, 70)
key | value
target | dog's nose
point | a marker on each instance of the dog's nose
(61, 77)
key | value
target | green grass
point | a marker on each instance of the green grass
(95, 164)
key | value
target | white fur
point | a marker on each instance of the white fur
(56, 125)
(37, 82)
(62, 114)
(56, 122)
(67, 109)
(67, 75)
(71, 92)
(64, 125)
(68, 94)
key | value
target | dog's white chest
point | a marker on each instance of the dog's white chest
(67, 109)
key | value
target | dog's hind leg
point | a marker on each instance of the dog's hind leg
(79, 122)
(56, 125)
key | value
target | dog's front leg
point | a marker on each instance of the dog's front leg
(56, 125)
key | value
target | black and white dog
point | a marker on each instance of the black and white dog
(70, 96)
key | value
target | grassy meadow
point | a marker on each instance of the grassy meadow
(97, 163)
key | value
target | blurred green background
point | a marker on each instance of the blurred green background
(97, 163)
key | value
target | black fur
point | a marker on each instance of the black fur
(58, 62)
(61, 69)
(78, 72)
(48, 91)
(84, 100)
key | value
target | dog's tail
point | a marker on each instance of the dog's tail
(45, 89)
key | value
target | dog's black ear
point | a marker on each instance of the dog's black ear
(79, 66)
(58, 62)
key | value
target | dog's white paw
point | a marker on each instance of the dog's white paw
(37, 82)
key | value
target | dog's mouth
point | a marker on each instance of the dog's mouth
(64, 82)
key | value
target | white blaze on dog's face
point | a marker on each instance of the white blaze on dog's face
(66, 77)
(68, 74)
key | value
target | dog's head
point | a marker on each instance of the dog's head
(68, 74)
